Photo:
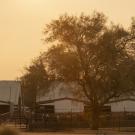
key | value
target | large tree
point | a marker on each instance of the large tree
(87, 51)
(33, 81)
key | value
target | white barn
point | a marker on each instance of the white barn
(61, 96)
(10, 92)
(123, 105)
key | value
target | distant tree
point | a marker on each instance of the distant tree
(33, 81)
(86, 51)
(132, 25)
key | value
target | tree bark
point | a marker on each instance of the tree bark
(95, 113)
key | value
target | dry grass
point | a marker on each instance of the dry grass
(4, 130)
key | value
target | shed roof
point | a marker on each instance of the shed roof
(60, 99)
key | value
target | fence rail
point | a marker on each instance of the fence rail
(65, 120)
(75, 120)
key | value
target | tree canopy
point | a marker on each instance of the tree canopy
(34, 80)
(86, 50)
(98, 57)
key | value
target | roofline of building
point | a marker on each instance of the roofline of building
(59, 99)
(78, 100)
(124, 99)
(7, 102)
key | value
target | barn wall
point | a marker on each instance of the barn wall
(68, 106)
(122, 106)
(10, 91)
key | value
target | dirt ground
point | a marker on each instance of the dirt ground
(109, 131)
(78, 133)
(52, 134)
(75, 134)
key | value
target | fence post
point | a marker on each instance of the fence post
(71, 117)
(119, 122)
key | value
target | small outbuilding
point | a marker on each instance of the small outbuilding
(61, 98)
(10, 96)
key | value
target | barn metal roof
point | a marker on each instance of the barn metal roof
(60, 99)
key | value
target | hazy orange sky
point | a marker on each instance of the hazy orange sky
(22, 22)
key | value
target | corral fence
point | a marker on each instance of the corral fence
(57, 121)
(62, 120)
(78, 120)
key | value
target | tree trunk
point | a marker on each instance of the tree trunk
(95, 112)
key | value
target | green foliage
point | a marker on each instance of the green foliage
(34, 80)
(85, 50)
(64, 61)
